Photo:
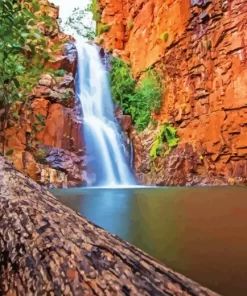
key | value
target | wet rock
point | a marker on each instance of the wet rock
(126, 122)
(69, 163)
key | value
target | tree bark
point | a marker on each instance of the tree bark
(48, 249)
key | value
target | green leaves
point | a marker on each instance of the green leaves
(18, 35)
(95, 9)
(9, 152)
(41, 119)
(167, 135)
(60, 72)
(137, 100)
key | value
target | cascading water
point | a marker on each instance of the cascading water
(102, 134)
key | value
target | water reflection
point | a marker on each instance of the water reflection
(200, 232)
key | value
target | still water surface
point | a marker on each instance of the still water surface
(199, 232)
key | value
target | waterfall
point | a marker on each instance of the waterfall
(102, 134)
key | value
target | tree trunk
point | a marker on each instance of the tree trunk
(48, 249)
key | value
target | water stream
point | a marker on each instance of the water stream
(102, 134)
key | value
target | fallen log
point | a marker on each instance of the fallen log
(48, 249)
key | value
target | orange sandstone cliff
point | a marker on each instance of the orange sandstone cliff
(43, 135)
(203, 61)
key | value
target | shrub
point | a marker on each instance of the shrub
(102, 28)
(146, 99)
(60, 72)
(130, 24)
(164, 36)
(140, 100)
(168, 135)
(122, 83)
(9, 152)
(41, 119)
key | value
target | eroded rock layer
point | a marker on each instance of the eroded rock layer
(199, 47)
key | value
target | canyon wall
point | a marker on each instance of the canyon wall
(42, 135)
(199, 48)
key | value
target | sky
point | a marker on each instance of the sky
(67, 6)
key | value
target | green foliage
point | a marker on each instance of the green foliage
(168, 135)
(137, 100)
(15, 114)
(95, 9)
(20, 37)
(9, 152)
(122, 82)
(41, 119)
(79, 22)
(164, 36)
(154, 123)
(102, 28)
(60, 72)
(130, 24)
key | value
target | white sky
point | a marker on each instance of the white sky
(67, 6)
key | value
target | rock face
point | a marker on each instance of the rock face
(199, 47)
(42, 136)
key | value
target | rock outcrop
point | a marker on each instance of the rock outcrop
(48, 249)
(199, 48)
(42, 136)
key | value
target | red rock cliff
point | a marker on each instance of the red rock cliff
(203, 61)
(43, 135)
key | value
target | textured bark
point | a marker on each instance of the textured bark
(48, 249)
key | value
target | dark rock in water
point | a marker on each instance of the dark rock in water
(70, 163)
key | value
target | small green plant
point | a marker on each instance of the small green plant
(15, 114)
(147, 99)
(102, 28)
(130, 24)
(60, 72)
(9, 152)
(41, 119)
(154, 123)
(168, 135)
(164, 36)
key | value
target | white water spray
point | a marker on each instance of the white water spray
(102, 135)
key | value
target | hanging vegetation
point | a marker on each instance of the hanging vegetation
(166, 139)
(136, 99)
